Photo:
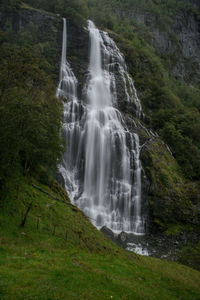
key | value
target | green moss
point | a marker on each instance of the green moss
(26, 6)
(176, 229)
(170, 194)
(191, 256)
(29, 7)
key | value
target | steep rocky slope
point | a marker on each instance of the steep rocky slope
(176, 39)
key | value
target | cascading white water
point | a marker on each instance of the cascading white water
(101, 166)
(113, 59)
(67, 89)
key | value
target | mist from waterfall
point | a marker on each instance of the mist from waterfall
(101, 166)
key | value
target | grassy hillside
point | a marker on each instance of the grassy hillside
(58, 254)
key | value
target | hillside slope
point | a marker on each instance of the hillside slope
(58, 254)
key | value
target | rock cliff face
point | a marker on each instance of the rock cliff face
(46, 23)
(47, 28)
(195, 2)
(35, 28)
(178, 39)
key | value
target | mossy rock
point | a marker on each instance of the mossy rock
(172, 199)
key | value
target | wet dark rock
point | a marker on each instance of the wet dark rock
(59, 178)
(77, 52)
(46, 23)
(195, 2)
(159, 245)
(122, 237)
(180, 38)
(108, 233)
(46, 27)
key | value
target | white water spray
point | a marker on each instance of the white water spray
(101, 166)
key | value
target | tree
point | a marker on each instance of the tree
(30, 115)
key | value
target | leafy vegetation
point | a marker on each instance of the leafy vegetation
(191, 255)
(30, 115)
(172, 199)
(9, 5)
(76, 10)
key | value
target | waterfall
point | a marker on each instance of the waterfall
(67, 90)
(101, 166)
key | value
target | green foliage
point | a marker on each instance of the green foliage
(76, 10)
(9, 5)
(191, 255)
(172, 199)
(176, 229)
(161, 10)
(180, 128)
(30, 115)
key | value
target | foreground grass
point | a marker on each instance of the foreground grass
(60, 255)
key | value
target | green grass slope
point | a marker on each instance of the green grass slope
(58, 254)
